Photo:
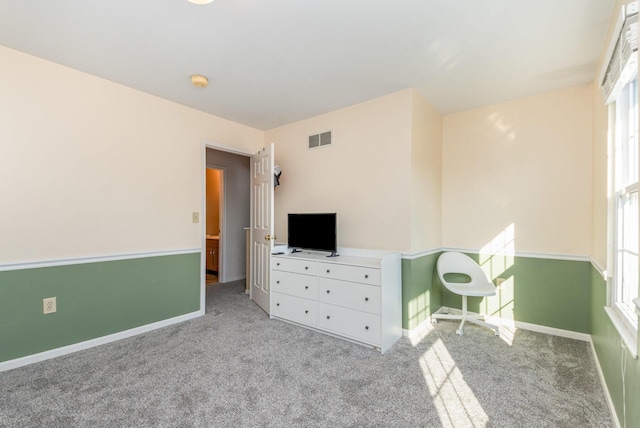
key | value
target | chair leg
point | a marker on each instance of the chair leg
(459, 331)
(495, 328)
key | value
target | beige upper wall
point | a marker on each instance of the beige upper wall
(526, 162)
(364, 176)
(426, 176)
(89, 167)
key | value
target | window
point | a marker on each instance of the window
(620, 89)
(625, 195)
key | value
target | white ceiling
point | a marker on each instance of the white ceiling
(273, 62)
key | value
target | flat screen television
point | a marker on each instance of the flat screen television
(314, 231)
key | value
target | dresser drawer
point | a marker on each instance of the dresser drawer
(355, 324)
(306, 267)
(295, 284)
(351, 295)
(364, 275)
(293, 308)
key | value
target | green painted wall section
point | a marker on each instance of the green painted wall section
(552, 293)
(98, 299)
(608, 346)
(421, 294)
(547, 292)
(93, 300)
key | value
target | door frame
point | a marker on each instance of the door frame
(208, 144)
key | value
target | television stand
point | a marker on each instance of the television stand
(352, 297)
(333, 254)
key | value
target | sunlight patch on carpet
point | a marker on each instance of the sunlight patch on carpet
(455, 402)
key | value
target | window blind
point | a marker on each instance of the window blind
(623, 64)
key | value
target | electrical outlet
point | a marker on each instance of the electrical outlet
(195, 217)
(499, 281)
(49, 305)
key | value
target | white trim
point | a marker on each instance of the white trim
(423, 328)
(203, 226)
(418, 254)
(416, 334)
(629, 340)
(603, 383)
(549, 256)
(95, 259)
(53, 353)
(225, 148)
(601, 271)
(548, 330)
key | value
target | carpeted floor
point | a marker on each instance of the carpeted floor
(236, 368)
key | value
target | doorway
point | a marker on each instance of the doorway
(233, 219)
(214, 222)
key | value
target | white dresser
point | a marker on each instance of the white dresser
(356, 298)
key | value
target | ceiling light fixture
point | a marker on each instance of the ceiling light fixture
(199, 81)
(200, 1)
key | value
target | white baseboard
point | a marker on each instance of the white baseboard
(416, 334)
(53, 353)
(425, 327)
(547, 330)
(603, 382)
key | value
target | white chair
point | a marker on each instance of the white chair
(478, 285)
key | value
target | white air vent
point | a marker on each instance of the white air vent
(320, 140)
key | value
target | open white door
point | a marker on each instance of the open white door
(261, 225)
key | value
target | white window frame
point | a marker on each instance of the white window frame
(620, 89)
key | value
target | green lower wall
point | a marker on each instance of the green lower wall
(421, 293)
(608, 346)
(547, 292)
(93, 300)
(98, 299)
(552, 293)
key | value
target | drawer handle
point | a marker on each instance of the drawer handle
(306, 267)
(366, 276)
(306, 312)
(277, 304)
(366, 327)
(277, 264)
(277, 282)
(328, 317)
(366, 299)
(328, 291)
(306, 287)
(328, 270)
